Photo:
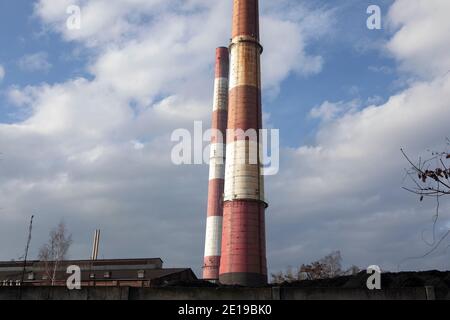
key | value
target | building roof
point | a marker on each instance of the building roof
(140, 261)
(99, 270)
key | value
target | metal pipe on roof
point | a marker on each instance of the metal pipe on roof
(95, 245)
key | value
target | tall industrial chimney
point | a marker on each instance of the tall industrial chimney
(217, 168)
(243, 260)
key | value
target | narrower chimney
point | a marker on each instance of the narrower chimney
(217, 168)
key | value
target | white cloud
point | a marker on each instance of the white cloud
(19, 96)
(279, 60)
(171, 48)
(102, 21)
(35, 62)
(347, 186)
(420, 43)
(293, 23)
(329, 111)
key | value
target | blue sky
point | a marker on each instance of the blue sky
(345, 75)
(21, 34)
(86, 118)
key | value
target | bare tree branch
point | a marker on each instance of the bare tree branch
(55, 251)
(430, 181)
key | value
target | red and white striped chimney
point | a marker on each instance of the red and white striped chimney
(217, 168)
(243, 260)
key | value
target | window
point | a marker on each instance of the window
(30, 276)
(141, 274)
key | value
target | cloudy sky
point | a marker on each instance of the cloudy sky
(86, 117)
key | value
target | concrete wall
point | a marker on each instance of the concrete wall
(201, 294)
(125, 293)
(352, 294)
(61, 293)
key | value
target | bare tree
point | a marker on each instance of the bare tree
(430, 178)
(55, 251)
(329, 266)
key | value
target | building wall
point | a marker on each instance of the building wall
(181, 293)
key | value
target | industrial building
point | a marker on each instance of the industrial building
(94, 273)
